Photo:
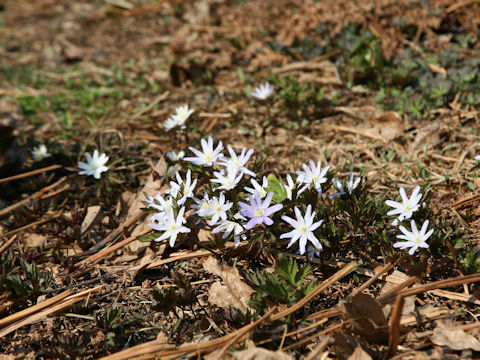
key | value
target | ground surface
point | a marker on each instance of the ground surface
(387, 89)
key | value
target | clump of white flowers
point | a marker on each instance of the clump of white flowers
(95, 164)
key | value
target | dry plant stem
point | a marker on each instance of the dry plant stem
(156, 349)
(7, 244)
(460, 280)
(407, 283)
(57, 306)
(35, 196)
(307, 339)
(31, 173)
(33, 309)
(28, 226)
(331, 280)
(370, 281)
(394, 327)
(112, 248)
(117, 232)
(459, 5)
(319, 348)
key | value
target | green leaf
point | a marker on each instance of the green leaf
(148, 237)
(278, 189)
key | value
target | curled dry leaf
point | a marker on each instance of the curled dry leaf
(232, 292)
(389, 125)
(348, 348)
(366, 318)
(454, 338)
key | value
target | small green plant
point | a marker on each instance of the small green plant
(471, 261)
(111, 322)
(32, 283)
(182, 295)
(286, 286)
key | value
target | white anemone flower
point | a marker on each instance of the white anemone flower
(95, 164)
(313, 175)
(261, 189)
(228, 227)
(303, 229)
(40, 152)
(407, 207)
(262, 92)
(203, 207)
(414, 239)
(171, 226)
(185, 188)
(182, 113)
(174, 156)
(477, 157)
(208, 156)
(237, 161)
(227, 180)
(351, 186)
(219, 208)
(159, 203)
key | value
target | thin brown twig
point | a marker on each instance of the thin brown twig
(7, 244)
(31, 173)
(35, 196)
(28, 226)
(394, 326)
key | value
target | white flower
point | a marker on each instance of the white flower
(184, 187)
(238, 161)
(414, 239)
(261, 189)
(159, 203)
(40, 152)
(263, 91)
(209, 155)
(407, 207)
(203, 207)
(173, 156)
(171, 226)
(182, 113)
(313, 175)
(303, 229)
(219, 208)
(477, 157)
(351, 186)
(227, 180)
(227, 227)
(95, 165)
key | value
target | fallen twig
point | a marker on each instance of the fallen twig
(30, 173)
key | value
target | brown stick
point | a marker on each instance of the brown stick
(31, 173)
(35, 196)
(394, 333)
(7, 244)
(33, 309)
(28, 226)
(370, 281)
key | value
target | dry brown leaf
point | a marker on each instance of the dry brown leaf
(368, 318)
(257, 353)
(359, 354)
(93, 213)
(35, 240)
(454, 338)
(389, 125)
(232, 291)
(428, 136)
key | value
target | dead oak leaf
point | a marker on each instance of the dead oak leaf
(232, 291)
(454, 338)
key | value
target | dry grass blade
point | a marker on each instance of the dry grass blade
(28, 226)
(7, 244)
(30, 173)
(39, 313)
(33, 309)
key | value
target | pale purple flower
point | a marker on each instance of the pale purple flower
(257, 211)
